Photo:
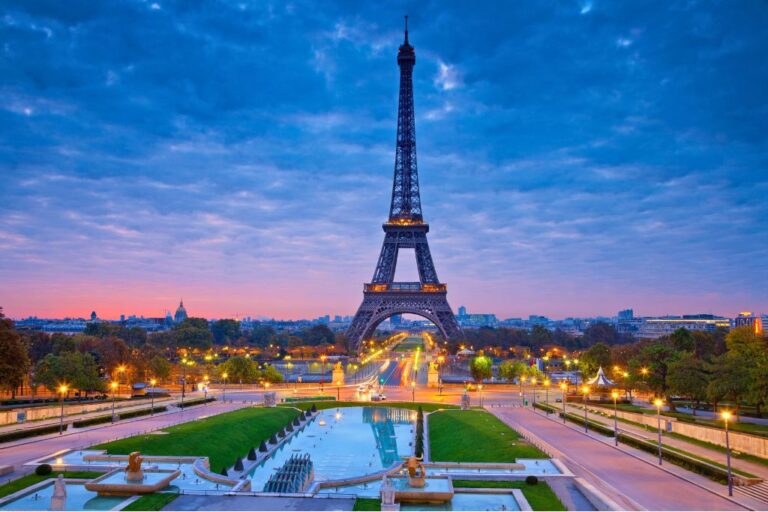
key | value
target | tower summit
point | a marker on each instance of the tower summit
(405, 229)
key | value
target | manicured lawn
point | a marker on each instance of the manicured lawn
(426, 407)
(221, 438)
(476, 436)
(27, 480)
(367, 504)
(540, 496)
(154, 501)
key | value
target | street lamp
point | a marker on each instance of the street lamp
(658, 403)
(322, 371)
(546, 383)
(153, 382)
(224, 376)
(564, 388)
(413, 390)
(522, 379)
(584, 393)
(120, 370)
(727, 416)
(615, 396)
(63, 388)
(113, 386)
(533, 382)
(480, 387)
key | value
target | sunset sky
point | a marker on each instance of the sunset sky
(575, 157)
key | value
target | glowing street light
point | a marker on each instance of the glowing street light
(658, 403)
(727, 416)
(533, 383)
(564, 388)
(584, 393)
(224, 376)
(480, 388)
(113, 387)
(413, 391)
(153, 382)
(546, 383)
(615, 396)
(63, 388)
(322, 371)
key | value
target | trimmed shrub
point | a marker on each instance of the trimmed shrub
(30, 432)
(43, 469)
(239, 464)
(289, 427)
(196, 401)
(281, 433)
(273, 439)
(296, 422)
(263, 446)
(313, 408)
(141, 412)
(531, 480)
(92, 421)
(224, 471)
(251, 454)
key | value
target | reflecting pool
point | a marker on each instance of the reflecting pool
(346, 442)
(78, 498)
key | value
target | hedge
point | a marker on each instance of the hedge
(96, 420)
(140, 412)
(321, 398)
(195, 401)
(574, 418)
(30, 432)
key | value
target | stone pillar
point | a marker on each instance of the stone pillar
(338, 375)
(270, 399)
(433, 375)
(465, 402)
(59, 498)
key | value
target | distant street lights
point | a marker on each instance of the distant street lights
(658, 403)
(584, 393)
(727, 416)
(63, 388)
(113, 386)
(615, 396)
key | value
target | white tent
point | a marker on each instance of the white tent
(600, 380)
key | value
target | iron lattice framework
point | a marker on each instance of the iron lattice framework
(405, 229)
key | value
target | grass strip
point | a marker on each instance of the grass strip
(152, 502)
(221, 438)
(539, 496)
(413, 406)
(476, 436)
(367, 504)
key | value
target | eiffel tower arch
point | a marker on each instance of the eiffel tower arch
(405, 229)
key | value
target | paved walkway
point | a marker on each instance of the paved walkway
(625, 476)
(199, 502)
(19, 454)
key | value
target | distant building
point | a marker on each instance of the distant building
(476, 319)
(662, 326)
(462, 311)
(626, 314)
(181, 313)
(94, 316)
(747, 318)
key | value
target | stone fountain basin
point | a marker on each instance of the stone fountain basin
(437, 489)
(114, 483)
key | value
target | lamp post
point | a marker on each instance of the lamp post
(224, 376)
(727, 416)
(658, 403)
(62, 391)
(338, 391)
(153, 382)
(113, 386)
(480, 387)
(120, 370)
(615, 396)
(533, 383)
(322, 371)
(183, 381)
(546, 383)
(205, 387)
(564, 388)
(440, 360)
(523, 378)
(584, 393)
(413, 391)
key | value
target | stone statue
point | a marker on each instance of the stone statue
(387, 492)
(416, 472)
(433, 366)
(337, 367)
(59, 497)
(133, 472)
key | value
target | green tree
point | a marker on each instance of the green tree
(730, 381)
(270, 374)
(656, 356)
(14, 362)
(318, 334)
(481, 368)
(540, 336)
(689, 377)
(511, 370)
(194, 333)
(76, 369)
(601, 332)
(63, 343)
(160, 368)
(240, 369)
(598, 355)
(39, 344)
(225, 331)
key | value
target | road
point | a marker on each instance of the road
(646, 485)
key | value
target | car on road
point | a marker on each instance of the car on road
(379, 397)
(558, 400)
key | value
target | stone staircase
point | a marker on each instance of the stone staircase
(757, 491)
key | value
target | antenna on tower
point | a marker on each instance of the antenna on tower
(406, 29)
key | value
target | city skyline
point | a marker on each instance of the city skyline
(626, 171)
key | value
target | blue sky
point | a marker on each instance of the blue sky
(576, 157)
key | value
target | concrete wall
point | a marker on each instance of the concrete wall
(8, 416)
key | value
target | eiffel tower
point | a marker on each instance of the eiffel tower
(405, 229)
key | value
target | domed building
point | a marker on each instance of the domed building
(181, 313)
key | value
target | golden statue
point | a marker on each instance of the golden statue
(133, 472)
(338, 367)
(416, 472)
